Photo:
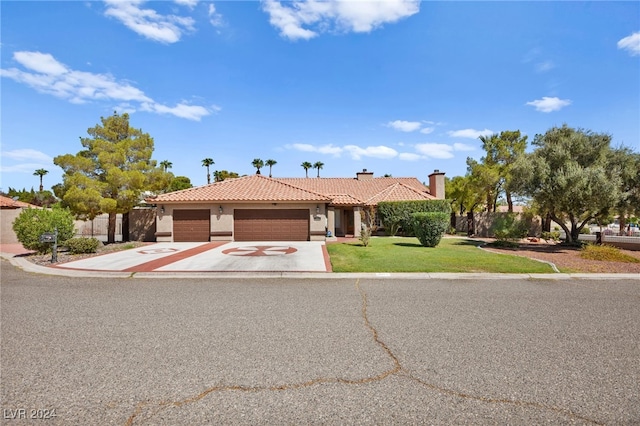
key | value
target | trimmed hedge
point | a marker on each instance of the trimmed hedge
(396, 215)
(83, 245)
(429, 227)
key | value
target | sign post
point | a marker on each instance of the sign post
(51, 237)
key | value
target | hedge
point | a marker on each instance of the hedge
(31, 223)
(396, 215)
(83, 245)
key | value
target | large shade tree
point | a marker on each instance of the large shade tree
(569, 174)
(110, 174)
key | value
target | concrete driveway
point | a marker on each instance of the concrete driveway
(305, 256)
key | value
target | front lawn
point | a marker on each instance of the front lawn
(391, 254)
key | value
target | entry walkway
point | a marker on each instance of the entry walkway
(269, 256)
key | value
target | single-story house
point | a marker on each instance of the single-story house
(260, 208)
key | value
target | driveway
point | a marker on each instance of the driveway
(305, 256)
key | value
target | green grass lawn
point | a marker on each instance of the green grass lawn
(391, 254)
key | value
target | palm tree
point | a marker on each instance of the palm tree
(318, 165)
(206, 163)
(166, 164)
(270, 163)
(306, 166)
(258, 164)
(41, 172)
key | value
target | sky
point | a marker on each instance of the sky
(394, 87)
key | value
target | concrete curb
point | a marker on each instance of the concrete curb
(31, 267)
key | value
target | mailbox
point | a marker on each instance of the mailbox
(48, 237)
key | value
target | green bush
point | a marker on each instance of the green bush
(606, 253)
(32, 223)
(553, 236)
(82, 245)
(429, 227)
(396, 215)
(508, 227)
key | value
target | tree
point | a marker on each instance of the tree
(221, 175)
(110, 174)
(41, 173)
(570, 176)
(628, 163)
(306, 166)
(493, 173)
(179, 183)
(270, 163)
(206, 163)
(166, 165)
(258, 164)
(318, 165)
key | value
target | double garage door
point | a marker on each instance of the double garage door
(248, 225)
(271, 225)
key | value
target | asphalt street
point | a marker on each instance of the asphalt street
(383, 350)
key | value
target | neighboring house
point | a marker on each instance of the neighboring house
(10, 209)
(259, 208)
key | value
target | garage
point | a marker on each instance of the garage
(271, 225)
(191, 225)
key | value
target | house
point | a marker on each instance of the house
(259, 208)
(10, 209)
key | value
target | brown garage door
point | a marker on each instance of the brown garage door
(271, 225)
(191, 225)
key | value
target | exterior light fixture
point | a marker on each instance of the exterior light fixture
(220, 210)
(317, 209)
(162, 209)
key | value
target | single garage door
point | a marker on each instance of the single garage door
(191, 225)
(271, 225)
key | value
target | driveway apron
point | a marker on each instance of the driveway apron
(269, 256)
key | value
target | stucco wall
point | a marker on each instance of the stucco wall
(7, 216)
(222, 223)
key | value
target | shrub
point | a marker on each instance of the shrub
(396, 215)
(82, 245)
(32, 223)
(429, 227)
(606, 253)
(553, 235)
(508, 227)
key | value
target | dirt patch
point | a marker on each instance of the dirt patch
(568, 259)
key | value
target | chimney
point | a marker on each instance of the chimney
(364, 174)
(436, 184)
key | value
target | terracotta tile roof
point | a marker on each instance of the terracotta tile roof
(365, 191)
(345, 200)
(247, 188)
(10, 203)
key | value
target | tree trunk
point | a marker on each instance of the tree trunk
(453, 220)
(111, 230)
(470, 224)
(546, 223)
(509, 201)
(125, 227)
(623, 223)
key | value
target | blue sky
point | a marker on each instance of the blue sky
(397, 87)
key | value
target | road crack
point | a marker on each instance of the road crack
(397, 370)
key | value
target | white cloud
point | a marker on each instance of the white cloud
(405, 126)
(189, 3)
(545, 66)
(470, 133)
(408, 156)
(427, 130)
(214, 17)
(323, 149)
(547, 104)
(631, 44)
(27, 154)
(380, 151)
(294, 19)
(463, 147)
(147, 22)
(46, 75)
(435, 150)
